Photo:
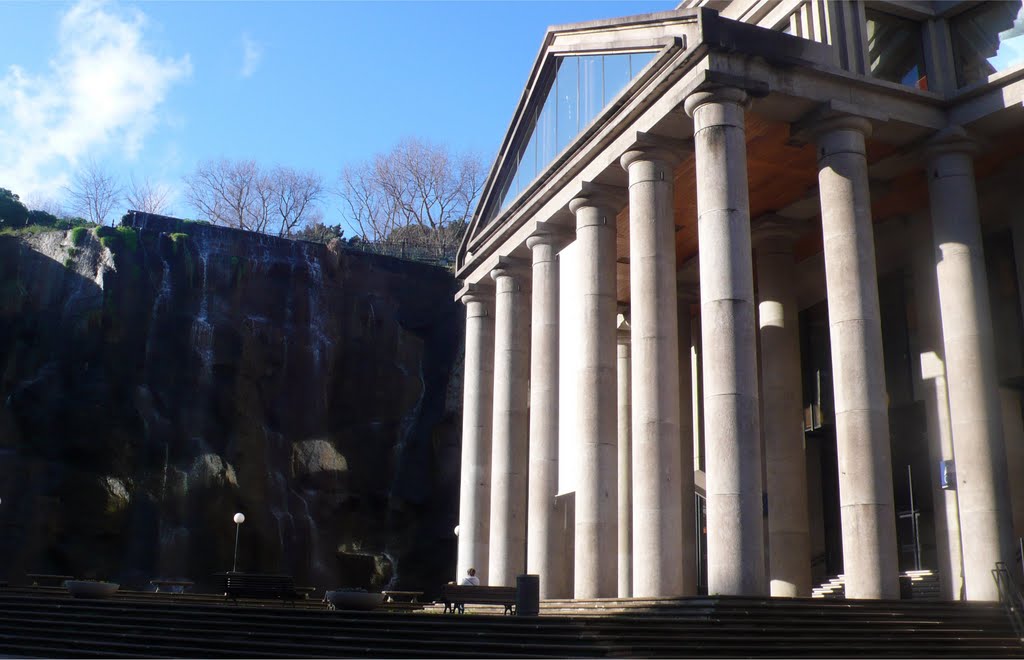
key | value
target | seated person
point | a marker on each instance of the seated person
(471, 580)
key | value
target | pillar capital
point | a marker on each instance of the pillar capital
(608, 199)
(549, 233)
(664, 149)
(775, 229)
(950, 152)
(622, 327)
(510, 267)
(723, 94)
(832, 117)
(475, 292)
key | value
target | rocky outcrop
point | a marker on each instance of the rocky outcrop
(157, 378)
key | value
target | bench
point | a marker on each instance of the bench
(260, 585)
(171, 586)
(456, 596)
(402, 600)
(47, 580)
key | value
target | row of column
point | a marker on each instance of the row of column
(524, 377)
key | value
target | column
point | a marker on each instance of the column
(545, 555)
(733, 451)
(509, 434)
(475, 492)
(858, 370)
(625, 417)
(596, 496)
(936, 405)
(789, 536)
(655, 404)
(687, 504)
(974, 404)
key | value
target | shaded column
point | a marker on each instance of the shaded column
(974, 403)
(655, 353)
(545, 553)
(687, 503)
(509, 434)
(932, 368)
(478, 380)
(735, 526)
(625, 448)
(596, 496)
(789, 536)
(862, 417)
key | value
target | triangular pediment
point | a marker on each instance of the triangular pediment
(581, 69)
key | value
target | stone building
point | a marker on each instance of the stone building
(743, 304)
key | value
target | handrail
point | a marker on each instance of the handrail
(1010, 596)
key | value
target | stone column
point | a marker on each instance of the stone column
(735, 526)
(625, 417)
(789, 536)
(596, 496)
(475, 492)
(870, 560)
(974, 404)
(545, 555)
(509, 434)
(655, 404)
(687, 504)
(936, 405)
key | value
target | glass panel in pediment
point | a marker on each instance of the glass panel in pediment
(580, 87)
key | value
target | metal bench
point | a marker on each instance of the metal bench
(47, 580)
(171, 586)
(456, 596)
(260, 585)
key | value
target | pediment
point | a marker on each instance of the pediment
(580, 71)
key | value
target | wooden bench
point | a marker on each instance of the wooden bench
(171, 586)
(46, 580)
(260, 585)
(456, 596)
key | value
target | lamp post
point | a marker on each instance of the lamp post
(239, 519)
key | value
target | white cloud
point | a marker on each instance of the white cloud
(101, 92)
(252, 55)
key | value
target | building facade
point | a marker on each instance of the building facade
(743, 305)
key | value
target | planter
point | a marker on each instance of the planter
(90, 588)
(353, 600)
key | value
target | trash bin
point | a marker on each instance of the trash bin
(527, 595)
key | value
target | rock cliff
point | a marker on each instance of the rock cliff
(156, 378)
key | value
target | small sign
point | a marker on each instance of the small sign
(947, 475)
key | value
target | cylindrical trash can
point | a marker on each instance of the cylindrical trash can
(527, 595)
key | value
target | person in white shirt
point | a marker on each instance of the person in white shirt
(471, 580)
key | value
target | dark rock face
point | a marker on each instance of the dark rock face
(156, 383)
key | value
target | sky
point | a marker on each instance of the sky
(150, 89)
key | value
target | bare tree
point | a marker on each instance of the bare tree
(415, 185)
(94, 192)
(242, 194)
(147, 196)
(224, 191)
(297, 194)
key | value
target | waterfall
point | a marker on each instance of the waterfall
(202, 329)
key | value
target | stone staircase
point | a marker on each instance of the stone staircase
(51, 624)
(914, 585)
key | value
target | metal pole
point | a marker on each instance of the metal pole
(913, 521)
(234, 566)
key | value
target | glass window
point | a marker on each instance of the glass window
(568, 101)
(580, 87)
(988, 39)
(895, 50)
(591, 88)
(616, 76)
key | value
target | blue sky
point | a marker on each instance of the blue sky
(152, 88)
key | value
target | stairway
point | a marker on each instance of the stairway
(914, 585)
(38, 624)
